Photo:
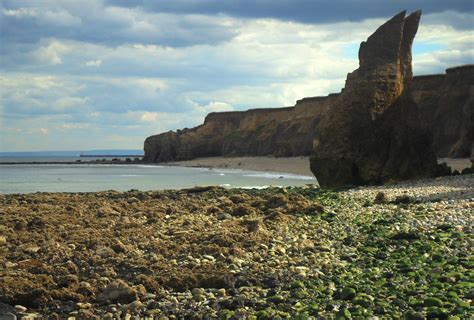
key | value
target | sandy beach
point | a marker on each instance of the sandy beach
(294, 165)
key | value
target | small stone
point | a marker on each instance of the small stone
(3, 240)
(224, 216)
(8, 316)
(221, 292)
(117, 291)
(380, 198)
(135, 305)
(208, 257)
(107, 211)
(82, 305)
(433, 302)
(348, 294)
(196, 291)
(243, 210)
(20, 308)
(252, 225)
(199, 298)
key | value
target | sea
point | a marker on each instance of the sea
(31, 177)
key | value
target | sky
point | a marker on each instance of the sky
(105, 74)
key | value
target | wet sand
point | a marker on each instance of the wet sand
(294, 165)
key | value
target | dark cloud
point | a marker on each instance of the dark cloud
(306, 11)
(29, 22)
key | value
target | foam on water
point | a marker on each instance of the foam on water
(122, 177)
(276, 175)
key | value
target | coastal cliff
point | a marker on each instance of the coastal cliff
(373, 133)
(282, 132)
(446, 103)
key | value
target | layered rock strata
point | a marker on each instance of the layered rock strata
(282, 132)
(446, 103)
(372, 133)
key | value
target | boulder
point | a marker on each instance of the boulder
(372, 134)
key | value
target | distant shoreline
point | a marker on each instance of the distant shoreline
(293, 165)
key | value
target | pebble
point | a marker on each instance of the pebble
(82, 305)
(199, 297)
(3, 241)
(224, 216)
(20, 308)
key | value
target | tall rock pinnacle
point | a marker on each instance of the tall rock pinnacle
(372, 134)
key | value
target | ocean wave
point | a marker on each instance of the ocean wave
(259, 187)
(267, 175)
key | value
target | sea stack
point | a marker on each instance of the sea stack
(373, 134)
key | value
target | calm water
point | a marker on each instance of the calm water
(84, 178)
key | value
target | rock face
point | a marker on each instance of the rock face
(372, 133)
(446, 103)
(281, 132)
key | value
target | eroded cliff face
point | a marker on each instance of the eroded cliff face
(282, 132)
(445, 103)
(372, 133)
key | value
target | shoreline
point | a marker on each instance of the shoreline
(292, 165)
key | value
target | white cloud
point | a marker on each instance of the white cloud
(149, 116)
(52, 52)
(94, 63)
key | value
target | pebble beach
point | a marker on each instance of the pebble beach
(401, 250)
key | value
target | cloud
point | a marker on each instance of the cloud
(94, 63)
(107, 75)
(149, 116)
(51, 53)
(93, 22)
(303, 11)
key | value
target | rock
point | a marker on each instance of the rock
(135, 305)
(404, 199)
(20, 308)
(117, 291)
(221, 292)
(224, 216)
(8, 316)
(119, 247)
(446, 106)
(380, 198)
(348, 294)
(199, 298)
(278, 200)
(433, 302)
(106, 211)
(243, 210)
(3, 241)
(196, 291)
(373, 133)
(252, 225)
